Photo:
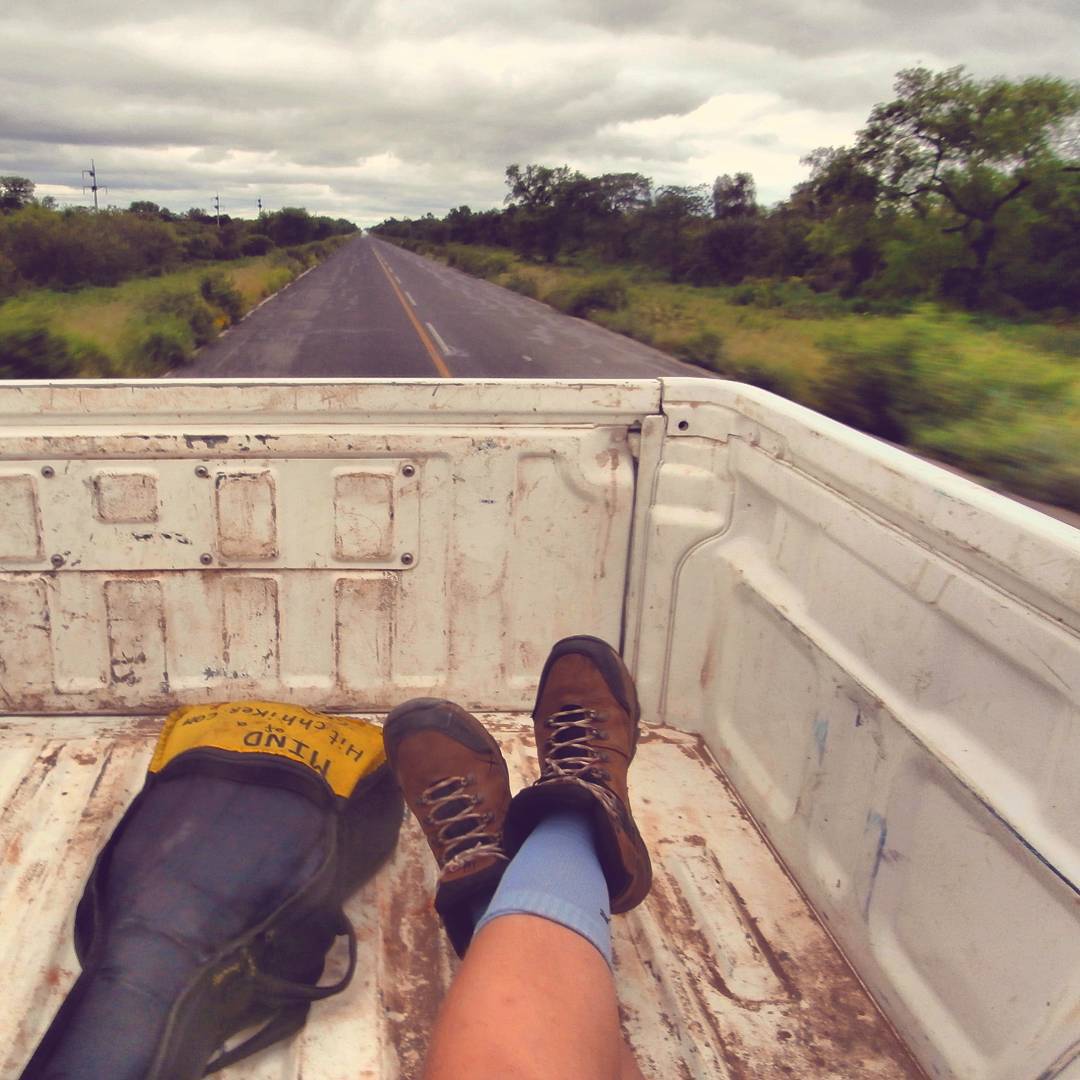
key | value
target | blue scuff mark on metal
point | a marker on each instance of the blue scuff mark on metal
(821, 735)
(874, 820)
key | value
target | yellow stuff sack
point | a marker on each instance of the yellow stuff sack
(340, 749)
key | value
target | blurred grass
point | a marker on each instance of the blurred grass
(999, 399)
(144, 326)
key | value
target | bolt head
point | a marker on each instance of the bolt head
(202, 471)
(409, 470)
(407, 559)
(206, 558)
(57, 560)
(48, 472)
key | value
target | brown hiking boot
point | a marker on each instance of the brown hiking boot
(586, 722)
(455, 781)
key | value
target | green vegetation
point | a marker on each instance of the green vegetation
(133, 292)
(141, 327)
(922, 284)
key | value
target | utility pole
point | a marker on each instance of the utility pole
(259, 201)
(92, 173)
(217, 210)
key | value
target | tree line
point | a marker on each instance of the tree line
(46, 246)
(958, 189)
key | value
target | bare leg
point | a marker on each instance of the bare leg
(532, 1001)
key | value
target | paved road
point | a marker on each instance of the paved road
(373, 310)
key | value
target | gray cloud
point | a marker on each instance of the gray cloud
(368, 107)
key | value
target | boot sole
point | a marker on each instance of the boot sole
(436, 714)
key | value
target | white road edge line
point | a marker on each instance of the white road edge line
(435, 334)
(409, 295)
(528, 358)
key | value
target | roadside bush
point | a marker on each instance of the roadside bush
(792, 298)
(302, 256)
(873, 387)
(704, 347)
(32, 352)
(168, 343)
(192, 309)
(1037, 456)
(523, 283)
(219, 291)
(578, 297)
(478, 261)
(10, 281)
(257, 244)
(201, 247)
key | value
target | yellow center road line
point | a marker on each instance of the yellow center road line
(421, 333)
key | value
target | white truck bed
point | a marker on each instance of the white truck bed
(883, 659)
(723, 972)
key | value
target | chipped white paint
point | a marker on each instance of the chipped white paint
(723, 973)
(885, 659)
(882, 657)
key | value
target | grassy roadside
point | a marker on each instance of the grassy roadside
(144, 326)
(1000, 400)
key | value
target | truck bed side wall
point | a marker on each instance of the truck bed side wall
(885, 660)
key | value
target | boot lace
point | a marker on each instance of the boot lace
(571, 755)
(463, 833)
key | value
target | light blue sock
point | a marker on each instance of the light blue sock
(557, 876)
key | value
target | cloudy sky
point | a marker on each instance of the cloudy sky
(367, 108)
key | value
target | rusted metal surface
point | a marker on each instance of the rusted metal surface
(230, 403)
(724, 972)
(328, 506)
(357, 570)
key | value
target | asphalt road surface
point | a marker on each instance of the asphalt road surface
(373, 310)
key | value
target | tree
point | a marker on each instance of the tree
(290, 225)
(848, 218)
(15, 193)
(969, 147)
(734, 196)
(670, 218)
(548, 204)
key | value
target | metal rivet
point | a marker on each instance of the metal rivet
(48, 472)
(57, 560)
(684, 424)
(202, 472)
(406, 559)
(206, 559)
(409, 470)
